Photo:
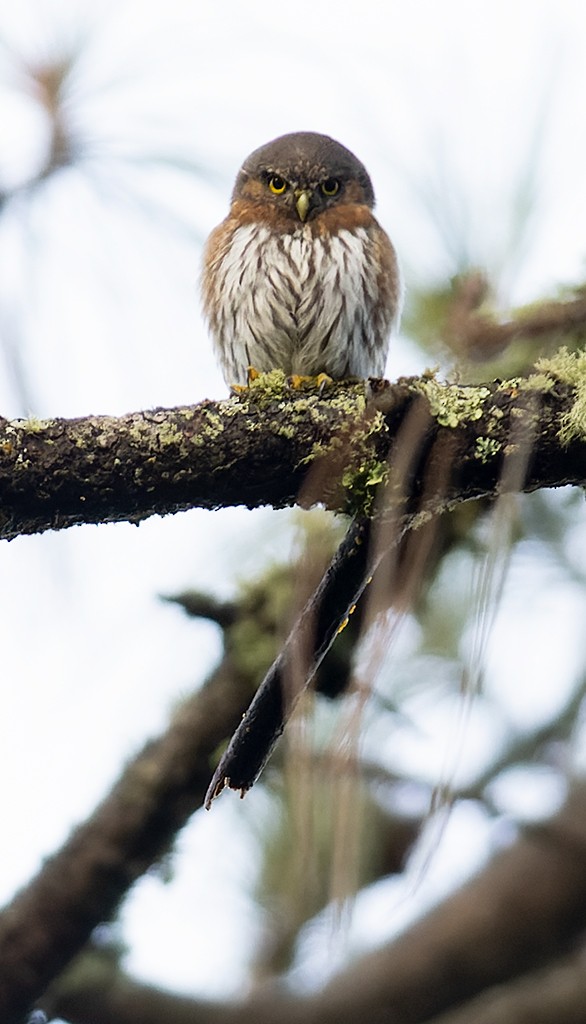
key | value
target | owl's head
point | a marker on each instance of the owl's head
(299, 176)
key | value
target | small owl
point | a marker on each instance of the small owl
(300, 276)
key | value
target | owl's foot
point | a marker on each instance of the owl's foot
(251, 375)
(320, 381)
(296, 381)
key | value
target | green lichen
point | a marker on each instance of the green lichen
(214, 425)
(496, 413)
(284, 430)
(537, 382)
(295, 401)
(569, 368)
(450, 405)
(169, 435)
(360, 485)
(367, 471)
(303, 392)
(486, 448)
(33, 425)
(267, 387)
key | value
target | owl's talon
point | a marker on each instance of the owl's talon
(319, 381)
(251, 376)
(322, 380)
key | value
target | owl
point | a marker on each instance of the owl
(300, 276)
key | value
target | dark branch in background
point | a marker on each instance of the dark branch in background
(50, 920)
(263, 723)
(259, 449)
(526, 906)
(204, 606)
(476, 335)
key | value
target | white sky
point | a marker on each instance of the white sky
(454, 100)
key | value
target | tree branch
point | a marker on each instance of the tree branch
(259, 447)
(525, 906)
(553, 993)
(50, 920)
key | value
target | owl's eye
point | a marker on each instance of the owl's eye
(330, 187)
(277, 185)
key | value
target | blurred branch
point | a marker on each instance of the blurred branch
(259, 448)
(526, 905)
(553, 993)
(51, 920)
(204, 606)
(49, 82)
(522, 748)
(463, 318)
(476, 335)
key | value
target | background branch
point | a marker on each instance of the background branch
(81, 886)
(526, 905)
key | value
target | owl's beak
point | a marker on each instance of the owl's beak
(302, 201)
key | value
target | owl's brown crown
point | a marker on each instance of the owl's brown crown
(307, 160)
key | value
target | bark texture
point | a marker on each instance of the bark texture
(263, 446)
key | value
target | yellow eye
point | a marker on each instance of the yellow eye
(277, 185)
(330, 187)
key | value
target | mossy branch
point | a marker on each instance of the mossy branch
(260, 447)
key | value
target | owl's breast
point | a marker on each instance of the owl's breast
(302, 301)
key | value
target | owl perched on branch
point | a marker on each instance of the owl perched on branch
(300, 276)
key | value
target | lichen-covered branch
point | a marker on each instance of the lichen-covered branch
(259, 447)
